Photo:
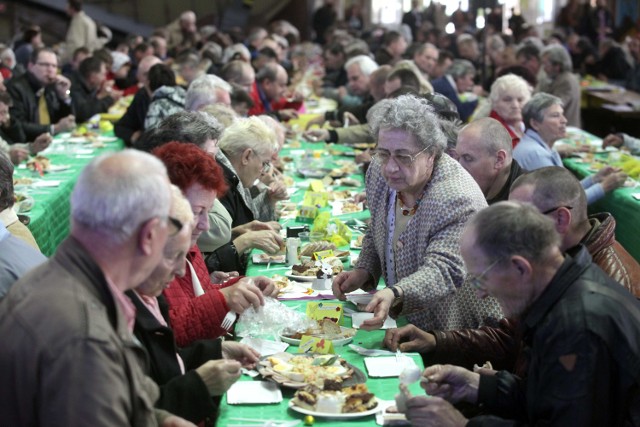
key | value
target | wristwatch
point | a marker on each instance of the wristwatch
(396, 292)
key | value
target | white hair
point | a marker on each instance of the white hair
(234, 49)
(366, 64)
(118, 192)
(252, 133)
(509, 82)
(202, 91)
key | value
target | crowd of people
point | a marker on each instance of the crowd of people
(481, 237)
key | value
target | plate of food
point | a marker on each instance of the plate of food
(349, 402)
(291, 289)
(23, 182)
(314, 172)
(357, 243)
(310, 248)
(268, 259)
(308, 271)
(346, 207)
(327, 329)
(324, 371)
(24, 203)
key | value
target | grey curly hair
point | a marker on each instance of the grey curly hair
(412, 114)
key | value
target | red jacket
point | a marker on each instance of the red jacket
(261, 104)
(195, 318)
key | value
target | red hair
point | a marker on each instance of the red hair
(187, 164)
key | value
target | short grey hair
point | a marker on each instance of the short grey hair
(491, 134)
(509, 82)
(366, 64)
(412, 114)
(460, 68)
(268, 72)
(118, 192)
(534, 109)
(558, 55)
(193, 127)
(248, 133)
(555, 186)
(202, 91)
(505, 229)
(234, 49)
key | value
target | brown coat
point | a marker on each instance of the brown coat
(68, 358)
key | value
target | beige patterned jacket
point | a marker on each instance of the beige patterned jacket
(429, 267)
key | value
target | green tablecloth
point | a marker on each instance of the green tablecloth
(49, 217)
(383, 388)
(619, 202)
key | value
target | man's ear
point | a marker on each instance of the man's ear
(147, 234)
(246, 155)
(522, 266)
(501, 156)
(563, 220)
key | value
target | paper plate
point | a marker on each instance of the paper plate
(371, 411)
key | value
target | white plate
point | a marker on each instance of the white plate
(334, 416)
(336, 343)
(359, 298)
(254, 392)
(58, 168)
(290, 275)
(78, 140)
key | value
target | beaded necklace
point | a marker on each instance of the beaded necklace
(405, 210)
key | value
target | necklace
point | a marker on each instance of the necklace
(405, 210)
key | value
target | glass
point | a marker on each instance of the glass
(555, 209)
(47, 65)
(476, 281)
(383, 156)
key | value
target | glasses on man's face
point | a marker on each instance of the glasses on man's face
(476, 281)
(383, 157)
(548, 211)
(46, 65)
(266, 166)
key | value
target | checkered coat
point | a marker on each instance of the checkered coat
(429, 267)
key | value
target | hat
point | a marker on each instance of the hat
(119, 61)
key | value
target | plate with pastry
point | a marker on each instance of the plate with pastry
(348, 402)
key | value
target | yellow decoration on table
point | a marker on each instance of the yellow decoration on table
(319, 199)
(320, 255)
(319, 310)
(307, 214)
(309, 344)
(316, 185)
(106, 126)
(309, 420)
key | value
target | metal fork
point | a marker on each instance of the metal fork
(228, 320)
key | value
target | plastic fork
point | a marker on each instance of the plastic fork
(228, 320)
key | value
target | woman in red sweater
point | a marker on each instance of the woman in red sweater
(508, 94)
(197, 306)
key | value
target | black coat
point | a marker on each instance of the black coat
(25, 104)
(85, 102)
(133, 119)
(183, 395)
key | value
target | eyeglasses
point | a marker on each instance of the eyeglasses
(476, 281)
(383, 156)
(555, 209)
(47, 65)
(266, 164)
(176, 223)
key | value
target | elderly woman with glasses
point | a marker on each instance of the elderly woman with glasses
(191, 379)
(507, 97)
(420, 201)
(545, 122)
(197, 307)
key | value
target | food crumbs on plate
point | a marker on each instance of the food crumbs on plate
(309, 420)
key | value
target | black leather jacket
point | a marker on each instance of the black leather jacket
(582, 341)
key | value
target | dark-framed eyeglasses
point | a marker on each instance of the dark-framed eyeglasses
(548, 211)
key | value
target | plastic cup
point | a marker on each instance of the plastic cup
(316, 236)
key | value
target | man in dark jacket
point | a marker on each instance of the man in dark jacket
(41, 97)
(90, 91)
(557, 194)
(581, 332)
(131, 125)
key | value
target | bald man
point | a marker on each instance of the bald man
(484, 149)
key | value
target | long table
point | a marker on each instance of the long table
(383, 388)
(619, 202)
(49, 217)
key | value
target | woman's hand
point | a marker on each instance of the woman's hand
(379, 305)
(409, 338)
(242, 295)
(349, 281)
